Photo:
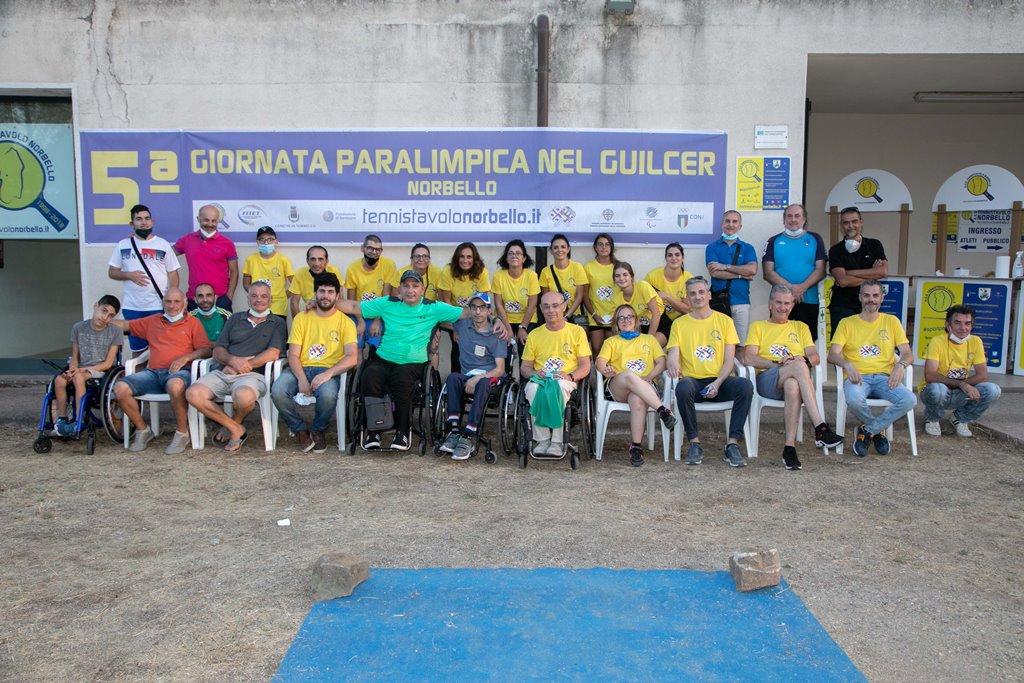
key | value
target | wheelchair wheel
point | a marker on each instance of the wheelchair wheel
(523, 427)
(490, 458)
(586, 421)
(42, 444)
(507, 406)
(90, 442)
(439, 424)
(574, 460)
(113, 416)
(424, 405)
(352, 406)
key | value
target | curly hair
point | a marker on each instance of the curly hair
(478, 263)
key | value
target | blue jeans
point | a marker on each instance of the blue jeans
(739, 390)
(938, 398)
(455, 385)
(283, 394)
(902, 401)
(148, 381)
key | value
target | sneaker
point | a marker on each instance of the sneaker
(179, 442)
(881, 443)
(789, 458)
(695, 455)
(400, 442)
(962, 429)
(141, 439)
(541, 447)
(824, 437)
(556, 448)
(932, 428)
(319, 442)
(64, 428)
(372, 441)
(303, 440)
(667, 418)
(463, 448)
(862, 440)
(636, 456)
(450, 443)
(734, 457)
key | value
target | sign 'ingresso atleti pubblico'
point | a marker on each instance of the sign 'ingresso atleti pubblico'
(442, 186)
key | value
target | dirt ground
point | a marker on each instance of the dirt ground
(151, 567)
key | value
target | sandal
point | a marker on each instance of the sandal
(235, 445)
(222, 436)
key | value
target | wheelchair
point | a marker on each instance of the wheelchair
(424, 404)
(82, 412)
(579, 417)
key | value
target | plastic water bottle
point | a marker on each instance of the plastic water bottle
(1018, 265)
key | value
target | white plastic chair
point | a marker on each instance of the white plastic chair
(678, 435)
(603, 409)
(265, 404)
(759, 403)
(340, 411)
(908, 382)
(154, 400)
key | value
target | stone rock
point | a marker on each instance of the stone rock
(755, 569)
(336, 575)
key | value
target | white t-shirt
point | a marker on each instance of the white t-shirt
(161, 260)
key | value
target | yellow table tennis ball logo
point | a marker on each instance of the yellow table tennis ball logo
(867, 187)
(978, 185)
(940, 299)
(21, 176)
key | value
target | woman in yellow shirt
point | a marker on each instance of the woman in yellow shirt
(515, 290)
(642, 297)
(600, 290)
(670, 283)
(460, 279)
(630, 363)
(565, 276)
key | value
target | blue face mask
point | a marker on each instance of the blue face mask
(730, 238)
(266, 249)
(174, 318)
(629, 335)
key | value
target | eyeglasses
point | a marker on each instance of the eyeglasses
(421, 257)
(478, 307)
(625, 318)
(373, 250)
(266, 240)
(517, 254)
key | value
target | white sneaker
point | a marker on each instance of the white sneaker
(541, 447)
(179, 442)
(932, 428)
(557, 448)
(141, 439)
(962, 429)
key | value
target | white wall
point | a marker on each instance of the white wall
(471, 63)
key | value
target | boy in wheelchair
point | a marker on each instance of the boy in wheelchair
(482, 357)
(94, 346)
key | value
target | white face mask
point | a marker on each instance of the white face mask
(209, 234)
(957, 340)
(795, 233)
(852, 245)
(174, 318)
(206, 314)
(254, 314)
(730, 238)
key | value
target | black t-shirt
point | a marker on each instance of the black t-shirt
(870, 251)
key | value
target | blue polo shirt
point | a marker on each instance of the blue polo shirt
(794, 258)
(724, 252)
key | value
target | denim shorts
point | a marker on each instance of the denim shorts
(768, 384)
(154, 381)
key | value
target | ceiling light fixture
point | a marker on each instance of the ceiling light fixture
(969, 97)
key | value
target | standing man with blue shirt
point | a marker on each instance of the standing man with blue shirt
(796, 258)
(732, 264)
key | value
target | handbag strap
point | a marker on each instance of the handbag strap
(152, 280)
(735, 258)
(558, 285)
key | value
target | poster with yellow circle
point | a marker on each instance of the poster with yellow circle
(990, 301)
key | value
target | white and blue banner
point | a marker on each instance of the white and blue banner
(37, 182)
(441, 186)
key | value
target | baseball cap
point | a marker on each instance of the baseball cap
(265, 230)
(411, 274)
(483, 296)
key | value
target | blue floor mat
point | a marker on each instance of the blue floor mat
(565, 624)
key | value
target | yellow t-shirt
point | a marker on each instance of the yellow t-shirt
(636, 355)
(463, 288)
(871, 347)
(570, 278)
(430, 282)
(775, 341)
(369, 285)
(956, 360)
(602, 289)
(643, 292)
(276, 269)
(702, 343)
(677, 289)
(302, 283)
(322, 341)
(515, 293)
(557, 351)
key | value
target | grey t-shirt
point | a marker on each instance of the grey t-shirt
(94, 345)
(240, 338)
(477, 350)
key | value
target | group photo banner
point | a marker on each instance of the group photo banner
(441, 186)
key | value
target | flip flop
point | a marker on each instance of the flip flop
(222, 436)
(235, 445)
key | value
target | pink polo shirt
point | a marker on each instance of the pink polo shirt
(207, 260)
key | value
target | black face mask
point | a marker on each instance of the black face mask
(371, 260)
(144, 234)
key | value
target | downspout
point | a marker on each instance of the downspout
(543, 78)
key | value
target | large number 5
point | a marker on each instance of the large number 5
(102, 183)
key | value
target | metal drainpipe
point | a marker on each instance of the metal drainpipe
(543, 78)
